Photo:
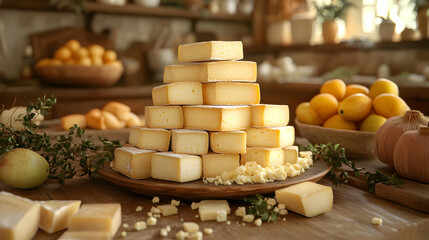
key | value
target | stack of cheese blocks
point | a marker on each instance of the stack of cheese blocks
(209, 110)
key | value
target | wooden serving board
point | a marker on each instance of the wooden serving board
(198, 190)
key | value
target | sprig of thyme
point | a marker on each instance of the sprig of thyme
(260, 209)
(336, 157)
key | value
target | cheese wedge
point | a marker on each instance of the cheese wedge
(268, 115)
(150, 138)
(19, 217)
(228, 142)
(308, 198)
(231, 93)
(215, 164)
(176, 167)
(189, 141)
(86, 235)
(291, 154)
(70, 120)
(210, 51)
(104, 217)
(241, 71)
(276, 137)
(179, 93)
(217, 118)
(133, 162)
(163, 117)
(209, 209)
(55, 215)
(266, 157)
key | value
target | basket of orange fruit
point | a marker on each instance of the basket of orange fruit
(75, 65)
(349, 114)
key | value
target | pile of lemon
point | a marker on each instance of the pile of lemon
(72, 53)
(354, 106)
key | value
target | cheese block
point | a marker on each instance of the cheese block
(85, 235)
(228, 142)
(19, 217)
(168, 210)
(120, 110)
(133, 162)
(94, 119)
(231, 93)
(150, 138)
(179, 93)
(291, 154)
(216, 118)
(268, 115)
(266, 157)
(97, 217)
(241, 71)
(308, 198)
(208, 209)
(176, 167)
(189, 141)
(163, 117)
(210, 51)
(275, 137)
(54, 215)
(214, 164)
(70, 120)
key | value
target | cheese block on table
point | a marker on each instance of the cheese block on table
(86, 235)
(268, 115)
(163, 117)
(55, 214)
(266, 157)
(120, 110)
(179, 93)
(274, 137)
(189, 141)
(209, 209)
(231, 93)
(228, 142)
(70, 120)
(97, 217)
(242, 71)
(214, 164)
(291, 154)
(209, 51)
(19, 217)
(308, 198)
(150, 138)
(216, 118)
(133, 162)
(176, 167)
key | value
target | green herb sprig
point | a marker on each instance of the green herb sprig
(259, 208)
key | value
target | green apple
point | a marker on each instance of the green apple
(23, 168)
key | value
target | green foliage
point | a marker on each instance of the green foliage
(333, 11)
(259, 208)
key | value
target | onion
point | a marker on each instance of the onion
(411, 155)
(388, 134)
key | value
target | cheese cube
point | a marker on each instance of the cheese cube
(209, 51)
(215, 164)
(266, 157)
(176, 167)
(240, 71)
(72, 119)
(19, 217)
(231, 93)
(268, 115)
(85, 235)
(133, 162)
(150, 138)
(163, 117)
(276, 137)
(168, 210)
(228, 142)
(189, 141)
(180, 93)
(308, 198)
(291, 154)
(217, 118)
(54, 215)
(191, 227)
(97, 217)
(208, 209)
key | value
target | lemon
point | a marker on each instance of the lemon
(381, 86)
(335, 87)
(338, 122)
(355, 107)
(307, 115)
(73, 45)
(109, 56)
(356, 88)
(372, 123)
(325, 105)
(389, 105)
(96, 50)
(63, 54)
(81, 53)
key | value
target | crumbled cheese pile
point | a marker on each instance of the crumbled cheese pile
(252, 172)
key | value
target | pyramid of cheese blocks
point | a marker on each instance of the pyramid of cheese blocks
(207, 119)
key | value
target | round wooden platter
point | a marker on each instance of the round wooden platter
(197, 190)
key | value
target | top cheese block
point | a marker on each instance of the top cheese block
(240, 71)
(210, 51)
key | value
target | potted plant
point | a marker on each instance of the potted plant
(421, 8)
(329, 14)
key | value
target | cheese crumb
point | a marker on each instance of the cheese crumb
(190, 227)
(271, 201)
(157, 215)
(155, 210)
(284, 219)
(139, 208)
(140, 225)
(151, 221)
(281, 206)
(168, 228)
(208, 231)
(240, 212)
(197, 216)
(175, 202)
(221, 216)
(196, 236)
(276, 210)
(228, 222)
(194, 205)
(283, 212)
(181, 235)
(181, 219)
(377, 221)
(150, 214)
(123, 234)
(155, 200)
(248, 218)
(125, 225)
(163, 232)
(244, 224)
(258, 222)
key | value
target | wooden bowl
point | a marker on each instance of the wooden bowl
(76, 75)
(358, 144)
